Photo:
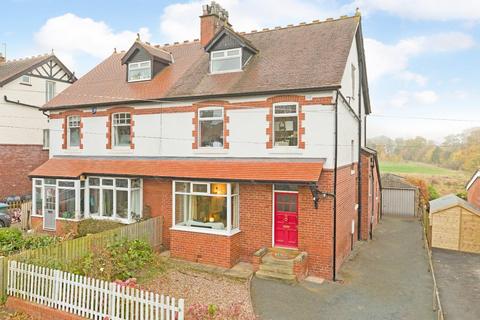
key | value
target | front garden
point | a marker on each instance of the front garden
(12, 241)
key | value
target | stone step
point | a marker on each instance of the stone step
(276, 268)
(289, 278)
(269, 259)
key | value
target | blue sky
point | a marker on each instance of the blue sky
(423, 56)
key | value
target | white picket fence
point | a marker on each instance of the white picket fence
(88, 297)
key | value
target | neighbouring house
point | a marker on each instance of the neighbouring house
(473, 189)
(455, 224)
(241, 141)
(25, 86)
(399, 197)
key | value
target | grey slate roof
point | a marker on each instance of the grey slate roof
(449, 201)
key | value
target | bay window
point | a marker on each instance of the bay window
(285, 124)
(73, 132)
(206, 207)
(210, 127)
(97, 197)
(121, 129)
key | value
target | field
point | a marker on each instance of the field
(444, 180)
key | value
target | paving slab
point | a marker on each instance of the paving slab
(386, 278)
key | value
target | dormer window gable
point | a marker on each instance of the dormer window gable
(229, 52)
(145, 61)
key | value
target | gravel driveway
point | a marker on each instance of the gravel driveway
(458, 279)
(386, 278)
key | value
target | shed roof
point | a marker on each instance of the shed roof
(449, 201)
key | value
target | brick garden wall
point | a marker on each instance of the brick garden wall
(17, 161)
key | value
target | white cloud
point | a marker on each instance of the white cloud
(393, 59)
(70, 36)
(439, 10)
(403, 98)
(426, 97)
(180, 21)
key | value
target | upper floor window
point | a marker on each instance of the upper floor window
(26, 80)
(50, 90)
(226, 61)
(121, 129)
(211, 127)
(73, 131)
(138, 71)
(285, 124)
(46, 139)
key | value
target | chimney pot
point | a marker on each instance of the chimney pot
(213, 19)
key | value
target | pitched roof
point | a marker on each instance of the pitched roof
(390, 180)
(12, 69)
(474, 178)
(449, 201)
(296, 58)
(156, 52)
(235, 170)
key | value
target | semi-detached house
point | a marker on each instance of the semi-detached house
(241, 141)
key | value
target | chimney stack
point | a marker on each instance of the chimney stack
(2, 58)
(214, 17)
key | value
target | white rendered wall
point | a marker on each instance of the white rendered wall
(22, 124)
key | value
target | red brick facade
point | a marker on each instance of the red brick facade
(473, 195)
(17, 162)
(256, 214)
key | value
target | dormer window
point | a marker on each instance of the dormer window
(139, 71)
(223, 61)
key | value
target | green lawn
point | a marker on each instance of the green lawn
(445, 181)
(414, 168)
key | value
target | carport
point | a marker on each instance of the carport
(399, 197)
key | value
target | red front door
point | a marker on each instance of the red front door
(286, 219)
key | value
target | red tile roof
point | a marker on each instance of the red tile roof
(304, 57)
(235, 170)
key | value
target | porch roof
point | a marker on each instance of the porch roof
(272, 170)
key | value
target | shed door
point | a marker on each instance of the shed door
(398, 202)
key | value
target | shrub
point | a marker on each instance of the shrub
(117, 261)
(11, 240)
(91, 226)
(34, 242)
(432, 192)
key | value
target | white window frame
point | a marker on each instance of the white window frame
(133, 66)
(50, 90)
(283, 115)
(46, 139)
(86, 189)
(229, 231)
(200, 119)
(225, 57)
(69, 126)
(115, 125)
(26, 79)
(114, 217)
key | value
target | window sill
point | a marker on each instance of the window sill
(120, 220)
(73, 150)
(121, 150)
(68, 219)
(36, 216)
(285, 150)
(210, 151)
(206, 231)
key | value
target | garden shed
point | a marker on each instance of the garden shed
(455, 224)
(399, 197)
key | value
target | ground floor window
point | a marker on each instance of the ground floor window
(97, 197)
(204, 206)
(115, 198)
